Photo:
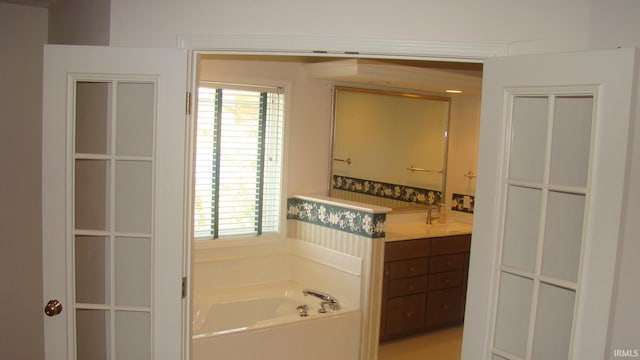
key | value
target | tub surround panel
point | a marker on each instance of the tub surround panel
(233, 249)
(235, 273)
(315, 275)
(261, 322)
(334, 337)
(328, 257)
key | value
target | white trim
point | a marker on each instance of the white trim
(347, 47)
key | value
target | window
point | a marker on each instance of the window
(238, 161)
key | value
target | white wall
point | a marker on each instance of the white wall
(614, 24)
(24, 31)
(528, 26)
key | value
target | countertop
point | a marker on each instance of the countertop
(420, 230)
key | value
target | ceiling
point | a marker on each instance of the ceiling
(389, 74)
(425, 76)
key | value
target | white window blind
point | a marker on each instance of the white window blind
(238, 162)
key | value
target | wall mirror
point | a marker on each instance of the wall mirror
(389, 147)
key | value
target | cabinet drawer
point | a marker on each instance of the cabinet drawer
(405, 315)
(444, 263)
(445, 280)
(408, 268)
(450, 244)
(443, 307)
(406, 249)
(400, 287)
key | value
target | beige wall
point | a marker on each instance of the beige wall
(24, 31)
(463, 149)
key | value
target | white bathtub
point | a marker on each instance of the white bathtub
(263, 323)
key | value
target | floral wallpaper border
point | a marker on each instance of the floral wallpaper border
(386, 190)
(336, 217)
(463, 203)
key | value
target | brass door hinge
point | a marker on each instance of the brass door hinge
(188, 104)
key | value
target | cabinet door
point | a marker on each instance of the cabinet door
(443, 307)
(406, 286)
(405, 315)
(406, 268)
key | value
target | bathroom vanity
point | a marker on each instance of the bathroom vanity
(425, 278)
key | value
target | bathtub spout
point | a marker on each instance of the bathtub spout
(326, 298)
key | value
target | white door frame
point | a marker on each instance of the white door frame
(336, 47)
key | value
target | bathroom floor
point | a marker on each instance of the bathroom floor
(441, 345)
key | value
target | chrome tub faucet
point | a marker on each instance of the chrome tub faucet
(327, 300)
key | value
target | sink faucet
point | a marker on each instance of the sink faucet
(429, 210)
(326, 299)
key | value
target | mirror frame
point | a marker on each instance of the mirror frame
(401, 93)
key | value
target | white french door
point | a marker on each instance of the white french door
(552, 164)
(113, 210)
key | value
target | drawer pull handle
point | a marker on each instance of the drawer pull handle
(446, 281)
(445, 307)
(408, 315)
(412, 268)
(449, 263)
(410, 287)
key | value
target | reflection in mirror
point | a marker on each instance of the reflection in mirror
(389, 148)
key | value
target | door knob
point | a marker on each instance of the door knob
(53, 307)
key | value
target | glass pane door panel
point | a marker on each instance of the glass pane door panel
(92, 194)
(563, 235)
(92, 113)
(133, 271)
(521, 227)
(133, 196)
(92, 332)
(554, 319)
(134, 119)
(92, 270)
(571, 140)
(528, 138)
(512, 318)
(133, 335)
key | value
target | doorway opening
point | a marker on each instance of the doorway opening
(415, 76)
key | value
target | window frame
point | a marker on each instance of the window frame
(242, 240)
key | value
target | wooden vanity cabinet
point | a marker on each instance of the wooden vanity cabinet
(424, 284)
